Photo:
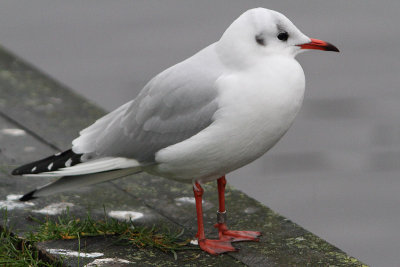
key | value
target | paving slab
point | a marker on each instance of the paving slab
(96, 248)
(50, 116)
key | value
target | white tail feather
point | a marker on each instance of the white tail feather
(70, 182)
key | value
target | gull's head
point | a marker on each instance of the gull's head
(262, 32)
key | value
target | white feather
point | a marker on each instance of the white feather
(85, 143)
(71, 182)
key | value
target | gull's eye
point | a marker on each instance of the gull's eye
(283, 36)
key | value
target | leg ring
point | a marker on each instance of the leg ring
(221, 217)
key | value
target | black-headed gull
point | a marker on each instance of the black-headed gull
(198, 120)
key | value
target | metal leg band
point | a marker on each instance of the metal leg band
(221, 217)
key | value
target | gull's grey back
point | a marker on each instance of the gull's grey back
(175, 105)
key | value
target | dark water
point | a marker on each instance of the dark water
(337, 170)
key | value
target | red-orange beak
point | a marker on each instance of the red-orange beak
(319, 45)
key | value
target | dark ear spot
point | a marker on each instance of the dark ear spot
(260, 39)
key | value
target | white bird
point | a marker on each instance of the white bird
(198, 120)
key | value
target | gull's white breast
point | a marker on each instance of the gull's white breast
(256, 108)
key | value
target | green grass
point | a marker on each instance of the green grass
(17, 252)
(69, 227)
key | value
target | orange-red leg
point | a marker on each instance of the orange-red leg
(224, 233)
(209, 245)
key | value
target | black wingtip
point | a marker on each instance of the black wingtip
(51, 163)
(16, 172)
(28, 196)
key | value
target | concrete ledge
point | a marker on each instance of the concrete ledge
(51, 115)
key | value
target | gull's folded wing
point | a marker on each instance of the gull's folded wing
(173, 106)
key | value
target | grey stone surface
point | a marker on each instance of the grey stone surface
(25, 95)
